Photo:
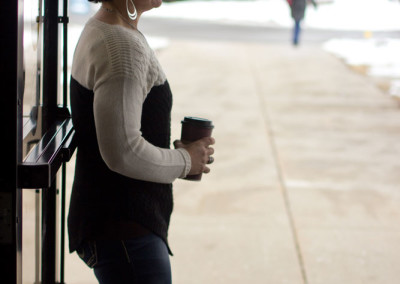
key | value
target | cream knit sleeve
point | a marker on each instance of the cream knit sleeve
(120, 68)
(117, 113)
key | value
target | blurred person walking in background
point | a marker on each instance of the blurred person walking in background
(298, 8)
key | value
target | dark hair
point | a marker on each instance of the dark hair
(98, 1)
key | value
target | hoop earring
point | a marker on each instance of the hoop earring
(133, 15)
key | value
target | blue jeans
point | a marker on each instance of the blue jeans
(296, 32)
(143, 260)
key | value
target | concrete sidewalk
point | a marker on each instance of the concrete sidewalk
(305, 187)
(306, 183)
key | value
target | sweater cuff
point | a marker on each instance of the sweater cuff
(188, 162)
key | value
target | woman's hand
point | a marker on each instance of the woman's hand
(200, 153)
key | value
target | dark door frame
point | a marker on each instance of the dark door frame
(38, 170)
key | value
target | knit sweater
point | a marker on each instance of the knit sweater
(121, 104)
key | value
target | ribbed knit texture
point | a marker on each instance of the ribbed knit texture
(129, 57)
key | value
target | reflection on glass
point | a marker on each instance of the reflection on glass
(31, 59)
(32, 66)
(31, 198)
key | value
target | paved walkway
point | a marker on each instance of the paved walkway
(305, 188)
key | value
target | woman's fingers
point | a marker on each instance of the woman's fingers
(200, 153)
(178, 144)
(207, 141)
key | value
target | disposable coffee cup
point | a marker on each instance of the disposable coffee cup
(193, 129)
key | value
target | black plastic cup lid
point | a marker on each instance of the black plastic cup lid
(202, 122)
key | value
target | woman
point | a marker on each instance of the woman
(298, 8)
(121, 200)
